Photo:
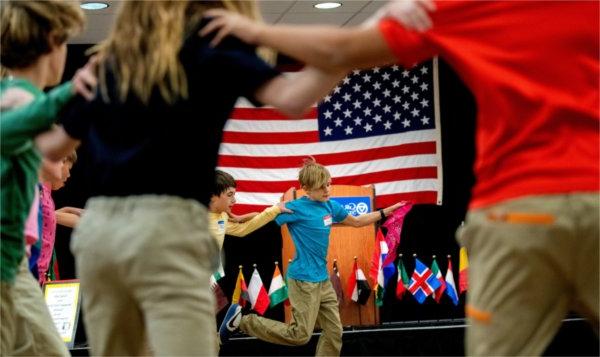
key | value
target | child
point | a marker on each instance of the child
(219, 208)
(34, 36)
(311, 295)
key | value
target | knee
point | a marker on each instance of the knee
(302, 337)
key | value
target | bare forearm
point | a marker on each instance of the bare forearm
(328, 47)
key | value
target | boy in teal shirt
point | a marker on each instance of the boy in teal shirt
(310, 291)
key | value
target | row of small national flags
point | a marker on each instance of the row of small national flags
(423, 283)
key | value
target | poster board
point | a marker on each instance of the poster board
(63, 299)
(344, 243)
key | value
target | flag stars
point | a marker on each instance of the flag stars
(415, 112)
(387, 125)
(366, 78)
(405, 73)
(377, 118)
(414, 79)
(424, 70)
(386, 93)
(338, 122)
(337, 106)
(347, 113)
(327, 131)
(395, 68)
(367, 95)
(406, 123)
(396, 116)
(376, 69)
(387, 108)
(405, 89)
(424, 87)
(397, 99)
(414, 96)
(425, 120)
(348, 130)
(357, 104)
(346, 80)
(377, 85)
(327, 114)
(367, 112)
(396, 83)
(356, 87)
(406, 106)
(385, 76)
(337, 89)
(327, 98)
(356, 72)
(376, 102)
(424, 103)
(368, 127)
(347, 97)
(357, 121)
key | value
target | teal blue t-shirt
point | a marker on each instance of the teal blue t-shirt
(309, 226)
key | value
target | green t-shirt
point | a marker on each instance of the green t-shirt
(19, 164)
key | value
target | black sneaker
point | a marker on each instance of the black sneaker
(231, 322)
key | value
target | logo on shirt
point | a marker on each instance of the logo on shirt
(221, 225)
(327, 220)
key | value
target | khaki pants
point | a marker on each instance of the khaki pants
(8, 318)
(531, 261)
(312, 303)
(144, 264)
(36, 334)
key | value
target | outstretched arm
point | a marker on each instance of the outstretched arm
(326, 47)
(266, 216)
(368, 218)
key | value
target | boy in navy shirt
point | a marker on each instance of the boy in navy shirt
(310, 291)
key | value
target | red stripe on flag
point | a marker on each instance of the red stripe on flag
(278, 162)
(363, 179)
(423, 197)
(236, 137)
(267, 114)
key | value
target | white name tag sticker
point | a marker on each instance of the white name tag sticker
(221, 225)
(327, 220)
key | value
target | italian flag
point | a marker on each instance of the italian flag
(257, 293)
(278, 290)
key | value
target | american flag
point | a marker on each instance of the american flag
(376, 127)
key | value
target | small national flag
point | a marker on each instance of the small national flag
(450, 286)
(336, 282)
(257, 293)
(423, 282)
(402, 285)
(220, 297)
(358, 287)
(278, 292)
(240, 293)
(463, 270)
(379, 273)
(439, 291)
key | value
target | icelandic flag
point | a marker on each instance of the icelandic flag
(423, 282)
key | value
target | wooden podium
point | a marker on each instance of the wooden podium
(344, 244)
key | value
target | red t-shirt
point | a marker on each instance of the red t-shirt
(533, 68)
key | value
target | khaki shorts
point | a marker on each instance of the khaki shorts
(532, 260)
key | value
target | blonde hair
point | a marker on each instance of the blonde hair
(313, 176)
(144, 44)
(30, 29)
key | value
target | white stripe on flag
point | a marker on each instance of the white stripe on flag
(271, 126)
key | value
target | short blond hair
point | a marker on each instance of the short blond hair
(31, 28)
(313, 176)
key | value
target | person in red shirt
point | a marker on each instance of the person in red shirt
(532, 227)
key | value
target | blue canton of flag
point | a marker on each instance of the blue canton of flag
(422, 282)
(378, 102)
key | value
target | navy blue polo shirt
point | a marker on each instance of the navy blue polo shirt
(162, 148)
